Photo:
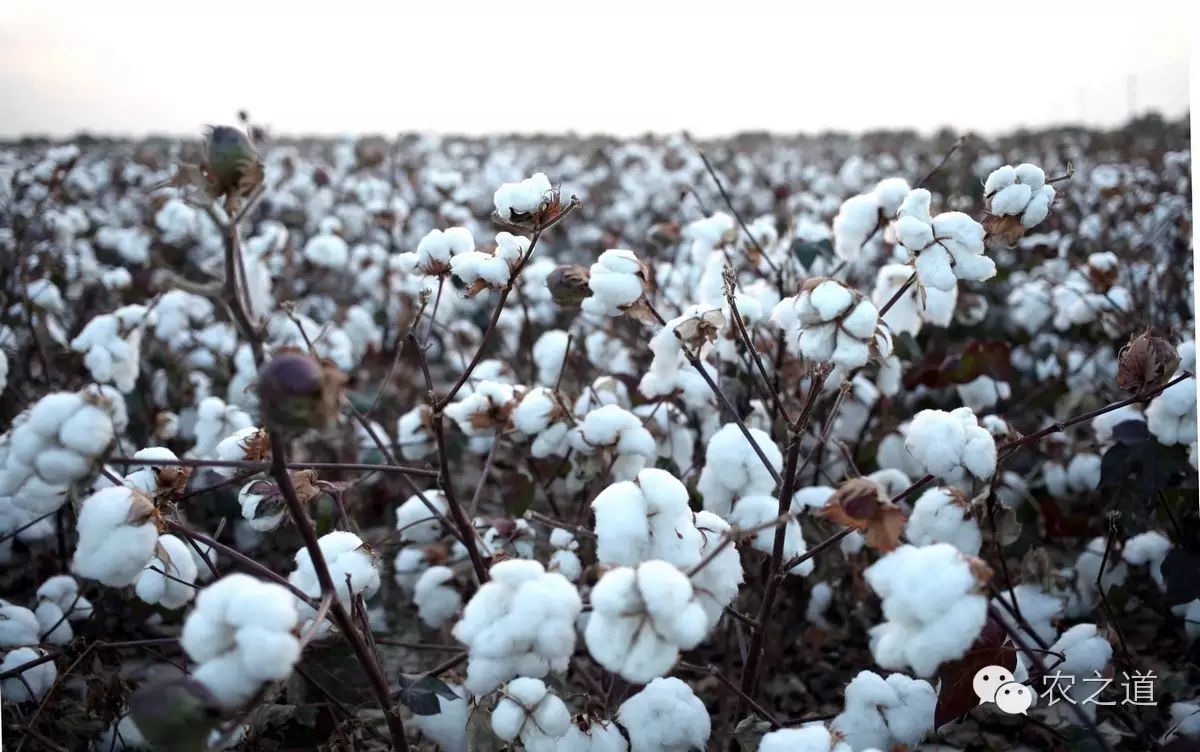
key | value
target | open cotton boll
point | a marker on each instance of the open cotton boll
(55, 444)
(1103, 425)
(669, 371)
(415, 523)
(31, 684)
(18, 626)
(1185, 718)
(665, 716)
(435, 250)
(549, 354)
(641, 619)
(262, 505)
(529, 711)
(1085, 596)
(616, 280)
(1021, 191)
(519, 202)
(982, 393)
(479, 270)
(435, 596)
(883, 713)
(1084, 653)
(755, 511)
(327, 251)
(221, 429)
(240, 632)
(351, 565)
(541, 415)
(111, 344)
(484, 411)
(932, 606)
(1150, 549)
(447, 728)
(943, 515)
(519, 623)
(63, 591)
(117, 536)
(168, 577)
(830, 322)
(732, 469)
(813, 737)
(647, 518)
(1171, 416)
(1038, 609)
(616, 429)
(952, 446)
(414, 432)
(947, 248)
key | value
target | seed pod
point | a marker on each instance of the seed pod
(233, 164)
(297, 392)
(569, 285)
(1146, 363)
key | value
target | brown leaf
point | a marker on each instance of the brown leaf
(1003, 230)
(956, 694)
(861, 503)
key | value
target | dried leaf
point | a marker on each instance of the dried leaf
(956, 693)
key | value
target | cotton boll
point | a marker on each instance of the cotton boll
(415, 523)
(1038, 608)
(549, 353)
(880, 713)
(436, 599)
(612, 427)
(1148, 549)
(952, 445)
(351, 565)
(600, 736)
(171, 557)
(447, 728)
(527, 710)
(117, 536)
(1084, 653)
(328, 251)
(616, 281)
(733, 469)
(31, 684)
(1171, 416)
(63, 591)
(754, 511)
(262, 506)
(665, 716)
(18, 626)
(810, 738)
(931, 605)
(943, 515)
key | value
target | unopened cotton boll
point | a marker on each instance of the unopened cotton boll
(117, 536)
(241, 633)
(167, 579)
(519, 623)
(932, 607)
(952, 446)
(665, 716)
(435, 596)
(31, 684)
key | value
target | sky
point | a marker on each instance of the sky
(131, 67)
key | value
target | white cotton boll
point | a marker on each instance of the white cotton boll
(612, 427)
(1038, 207)
(241, 632)
(1038, 609)
(999, 179)
(982, 393)
(856, 220)
(931, 607)
(1084, 652)
(889, 193)
(1149, 549)
(1011, 199)
(447, 728)
(520, 622)
(732, 468)
(811, 497)
(262, 506)
(880, 713)
(515, 201)
(810, 738)
(171, 557)
(1083, 472)
(436, 599)
(33, 683)
(616, 282)
(328, 251)
(1103, 425)
(63, 591)
(416, 523)
(350, 563)
(830, 299)
(952, 445)
(549, 353)
(665, 716)
(600, 736)
(18, 626)
(1171, 416)
(819, 600)
(754, 511)
(531, 712)
(941, 515)
(117, 536)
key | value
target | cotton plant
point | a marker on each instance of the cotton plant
(829, 321)
(932, 605)
(241, 634)
(521, 623)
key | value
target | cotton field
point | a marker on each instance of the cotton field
(552, 443)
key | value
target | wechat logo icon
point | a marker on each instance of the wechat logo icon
(995, 684)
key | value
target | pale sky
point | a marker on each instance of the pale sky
(352, 66)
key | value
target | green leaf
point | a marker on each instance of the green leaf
(420, 694)
(806, 253)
